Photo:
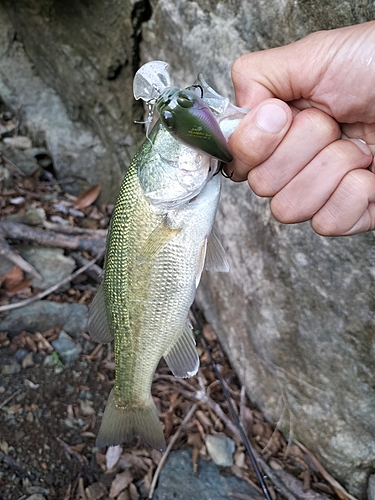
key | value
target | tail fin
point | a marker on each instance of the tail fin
(122, 425)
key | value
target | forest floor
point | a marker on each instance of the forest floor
(52, 400)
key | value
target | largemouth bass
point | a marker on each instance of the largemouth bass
(159, 241)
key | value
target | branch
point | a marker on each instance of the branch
(90, 242)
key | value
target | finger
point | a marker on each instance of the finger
(309, 190)
(350, 209)
(310, 132)
(257, 136)
(288, 73)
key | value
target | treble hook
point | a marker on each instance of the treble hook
(221, 171)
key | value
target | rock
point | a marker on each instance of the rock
(51, 263)
(221, 449)
(66, 349)
(45, 314)
(32, 217)
(5, 266)
(207, 485)
(93, 52)
(18, 141)
(24, 161)
(11, 369)
(371, 488)
(36, 496)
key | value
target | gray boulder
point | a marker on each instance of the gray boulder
(42, 315)
(177, 481)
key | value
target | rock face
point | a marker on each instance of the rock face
(296, 313)
(76, 96)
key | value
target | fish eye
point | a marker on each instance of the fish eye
(185, 101)
(168, 119)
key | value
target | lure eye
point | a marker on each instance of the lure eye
(185, 101)
(168, 119)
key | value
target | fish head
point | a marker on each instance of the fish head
(170, 172)
(187, 117)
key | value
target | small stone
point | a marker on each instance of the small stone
(11, 369)
(32, 217)
(21, 355)
(36, 496)
(20, 142)
(87, 408)
(28, 360)
(51, 263)
(221, 449)
(66, 349)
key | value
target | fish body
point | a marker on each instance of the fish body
(159, 239)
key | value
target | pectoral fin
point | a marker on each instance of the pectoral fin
(159, 237)
(98, 325)
(182, 358)
(216, 259)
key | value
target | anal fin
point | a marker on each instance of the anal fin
(182, 358)
(98, 326)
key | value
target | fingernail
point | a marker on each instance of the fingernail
(271, 118)
(362, 145)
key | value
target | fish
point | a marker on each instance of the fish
(160, 240)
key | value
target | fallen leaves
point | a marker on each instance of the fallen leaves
(88, 197)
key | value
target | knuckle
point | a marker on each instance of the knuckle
(317, 122)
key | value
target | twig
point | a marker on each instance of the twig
(52, 289)
(340, 490)
(169, 447)
(10, 398)
(12, 165)
(91, 242)
(7, 251)
(58, 228)
(276, 481)
(81, 458)
(95, 272)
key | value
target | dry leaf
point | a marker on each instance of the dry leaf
(112, 456)
(133, 492)
(88, 197)
(120, 482)
(96, 491)
(19, 287)
(13, 278)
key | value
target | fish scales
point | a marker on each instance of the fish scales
(156, 244)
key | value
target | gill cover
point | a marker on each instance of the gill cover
(189, 119)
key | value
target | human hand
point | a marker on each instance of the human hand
(312, 106)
